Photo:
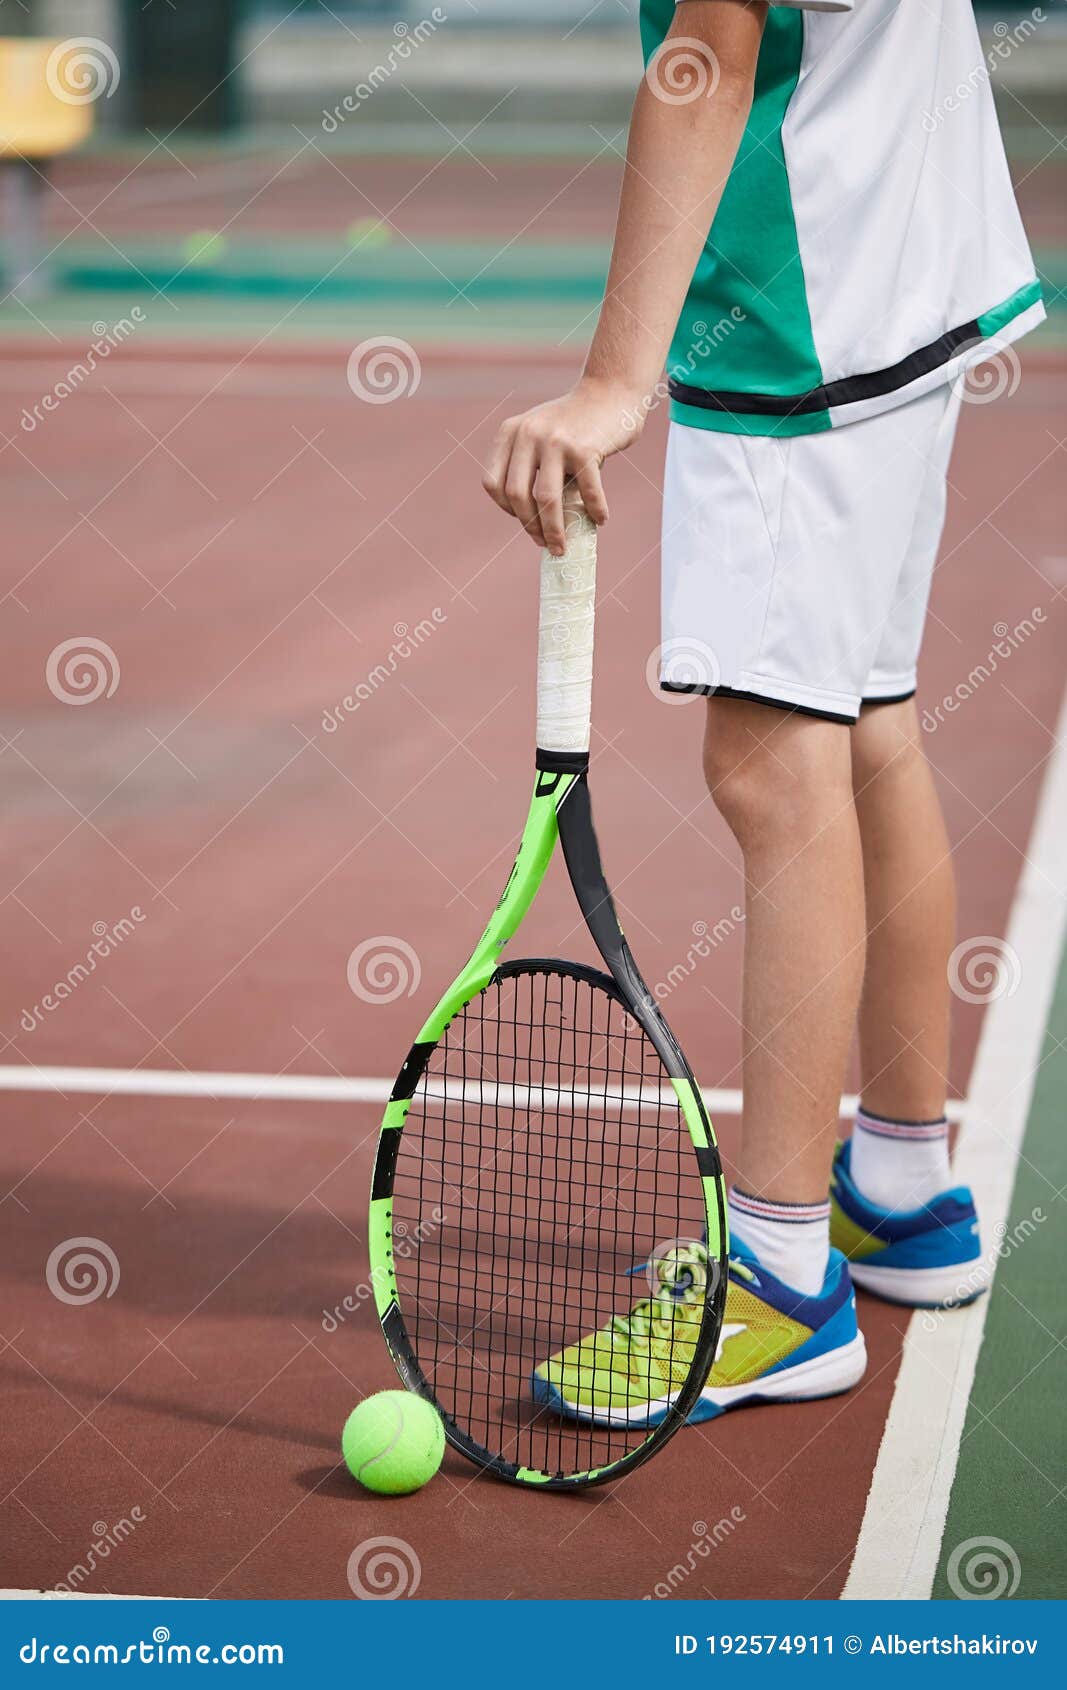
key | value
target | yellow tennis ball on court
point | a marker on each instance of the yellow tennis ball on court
(203, 247)
(369, 232)
(393, 1442)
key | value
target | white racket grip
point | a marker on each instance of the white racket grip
(565, 636)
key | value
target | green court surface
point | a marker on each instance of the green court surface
(439, 291)
(427, 272)
(490, 273)
(371, 264)
(1013, 1453)
(529, 292)
(74, 315)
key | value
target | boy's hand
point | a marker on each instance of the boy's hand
(565, 439)
(679, 157)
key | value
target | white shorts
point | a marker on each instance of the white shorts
(797, 571)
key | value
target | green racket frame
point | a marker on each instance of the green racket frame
(559, 809)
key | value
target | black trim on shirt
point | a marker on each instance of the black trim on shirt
(849, 390)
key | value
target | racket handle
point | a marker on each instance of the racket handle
(565, 636)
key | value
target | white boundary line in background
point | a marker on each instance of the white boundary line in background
(899, 1544)
(281, 1088)
(82, 1596)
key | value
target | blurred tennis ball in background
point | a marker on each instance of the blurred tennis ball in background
(203, 247)
(393, 1442)
(369, 232)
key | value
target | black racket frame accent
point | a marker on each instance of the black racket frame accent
(624, 982)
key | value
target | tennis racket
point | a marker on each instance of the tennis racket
(545, 1149)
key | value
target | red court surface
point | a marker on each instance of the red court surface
(304, 190)
(307, 188)
(253, 545)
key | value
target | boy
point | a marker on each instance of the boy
(865, 245)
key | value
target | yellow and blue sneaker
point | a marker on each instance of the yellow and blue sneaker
(775, 1345)
(929, 1258)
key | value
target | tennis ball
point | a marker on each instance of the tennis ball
(369, 232)
(203, 247)
(393, 1442)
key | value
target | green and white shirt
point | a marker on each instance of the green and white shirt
(868, 240)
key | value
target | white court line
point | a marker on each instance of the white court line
(899, 1544)
(83, 1596)
(292, 1088)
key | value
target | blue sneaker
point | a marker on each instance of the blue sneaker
(776, 1345)
(928, 1258)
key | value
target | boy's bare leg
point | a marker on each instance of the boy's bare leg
(899, 1157)
(783, 783)
(911, 918)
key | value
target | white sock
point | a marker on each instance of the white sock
(900, 1164)
(791, 1240)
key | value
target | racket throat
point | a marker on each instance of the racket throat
(581, 852)
(534, 854)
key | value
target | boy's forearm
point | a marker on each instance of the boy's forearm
(678, 159)
(689, 117)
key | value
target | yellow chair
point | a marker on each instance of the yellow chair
(42, 115)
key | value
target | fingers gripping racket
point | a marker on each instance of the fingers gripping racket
(548, 1218)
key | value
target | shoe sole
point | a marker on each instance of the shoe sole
(824, 1376)
(644, 1418)
(920, 1288)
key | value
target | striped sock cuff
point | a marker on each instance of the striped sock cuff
(917, 1132)
(769, 1209)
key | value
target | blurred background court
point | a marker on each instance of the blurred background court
(300, 170)
(274, 274)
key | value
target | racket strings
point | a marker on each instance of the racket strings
(545, 1163)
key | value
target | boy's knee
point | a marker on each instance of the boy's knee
(740, 780)
(769, 771)
(886, 739)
